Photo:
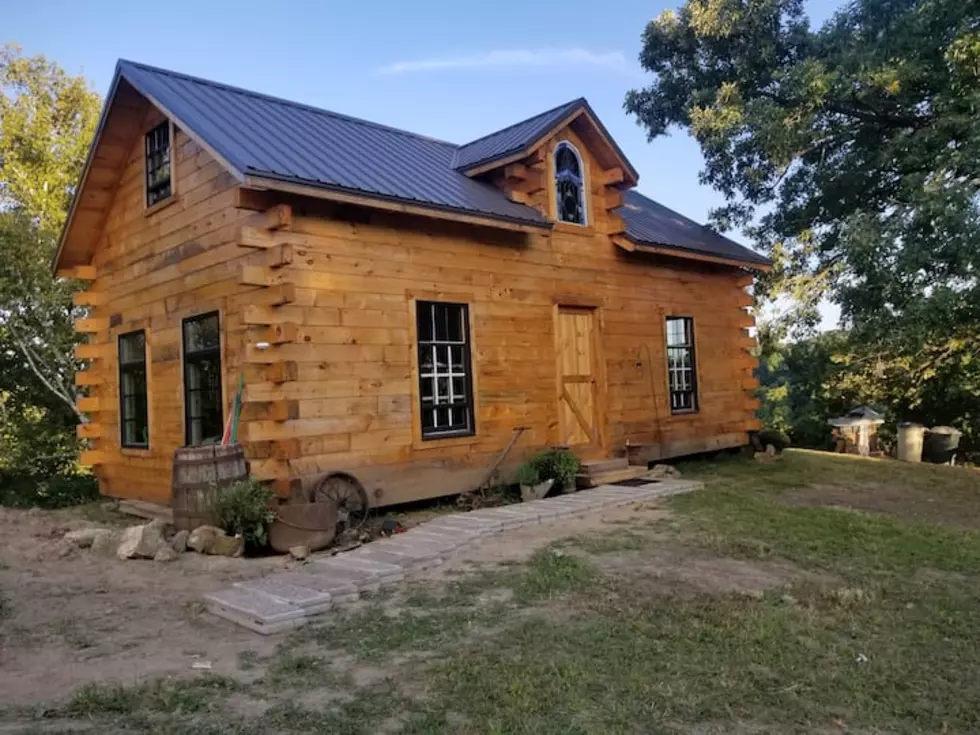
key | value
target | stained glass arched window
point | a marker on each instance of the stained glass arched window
(569, 185)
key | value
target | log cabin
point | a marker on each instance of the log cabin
(401, 310)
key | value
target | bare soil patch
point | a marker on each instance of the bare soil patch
(938, 505)
(682, 572)
(77, 618)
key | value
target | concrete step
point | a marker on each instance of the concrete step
(584, 480)
(598, 466)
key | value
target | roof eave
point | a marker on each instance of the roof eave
(632, 177)
(344, 195)
(631, 245)
(83, 179)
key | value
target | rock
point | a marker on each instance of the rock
(299, 553)
(179, 541)
(105, 544)
(664, 471)
(165, 553)
(85, 537)
(212, 540)
(63, 548)
(141, 542)
(228, 546)
(201, 539)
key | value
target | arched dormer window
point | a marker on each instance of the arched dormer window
(569, 185)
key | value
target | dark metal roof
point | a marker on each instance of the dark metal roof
(648, 222)
(269, 137)
(275, 139)
(513, 138)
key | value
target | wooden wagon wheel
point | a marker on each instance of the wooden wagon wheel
(347, 494)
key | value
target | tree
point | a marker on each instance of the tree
(47, 120)
(851, 153)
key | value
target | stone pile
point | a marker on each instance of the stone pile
(157, 540)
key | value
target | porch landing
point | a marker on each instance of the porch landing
(287, 600)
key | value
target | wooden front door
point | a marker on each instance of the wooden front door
(578, 386)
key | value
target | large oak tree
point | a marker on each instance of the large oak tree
(851, 154)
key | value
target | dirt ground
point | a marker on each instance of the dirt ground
(70, 619)
(939, 505)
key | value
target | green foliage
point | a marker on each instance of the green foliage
(775, 437)
(850, 153)
(47, 119)
(527, 474)
(561, 465)
(243, 508)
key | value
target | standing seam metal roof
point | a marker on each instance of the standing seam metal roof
(278, 139)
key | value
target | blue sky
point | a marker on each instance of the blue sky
(452, 69)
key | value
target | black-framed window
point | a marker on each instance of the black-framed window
(569, 185)
(203, 412)
(158, 169)
(445, 373)
(682, 379)
(134, 424)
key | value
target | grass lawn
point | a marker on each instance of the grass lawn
(819, 593)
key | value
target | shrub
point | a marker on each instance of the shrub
(528, 475)
(56, 491)
(242, 508)
(559, 465)
(775, 437)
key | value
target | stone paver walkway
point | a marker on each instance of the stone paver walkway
(286, 600)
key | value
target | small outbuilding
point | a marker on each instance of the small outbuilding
(857, 432)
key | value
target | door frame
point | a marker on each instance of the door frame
(598, 448)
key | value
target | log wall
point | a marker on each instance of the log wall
(317, 307)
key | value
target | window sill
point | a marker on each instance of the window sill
(685, 414)
(570, 229)
(136, 452)
(162, 204)
(438, 442)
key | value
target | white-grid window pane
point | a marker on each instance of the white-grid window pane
(681, 375)
(445, 380)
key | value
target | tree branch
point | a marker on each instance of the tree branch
(32, 361)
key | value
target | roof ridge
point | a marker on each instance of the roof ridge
(284, 101)
(578, 100)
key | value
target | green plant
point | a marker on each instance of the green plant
(242, 508)
(775, 437)
(528, 475)
(559, 465)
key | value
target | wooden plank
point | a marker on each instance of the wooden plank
(87, 377)
(88, 431)
(91, 325)
(92, 458)
(253, 199)
(282, 372)
(283, 293)
(88, 298)
(610, 176)
(89, 404)
(90, 351)
(282, 410)
(278, 334)
(78, 273)
(279, 256)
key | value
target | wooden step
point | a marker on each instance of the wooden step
(584, 480)
(598, 466)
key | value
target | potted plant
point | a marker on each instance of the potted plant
(532, 488)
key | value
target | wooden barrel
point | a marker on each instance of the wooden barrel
(198, 473)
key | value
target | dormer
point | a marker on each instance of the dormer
(563, 163)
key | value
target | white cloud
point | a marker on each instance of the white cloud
(515, 58)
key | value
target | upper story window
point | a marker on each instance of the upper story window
(569, 185)
(158, 170)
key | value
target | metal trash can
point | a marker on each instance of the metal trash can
(940, 444)
(910, 438)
